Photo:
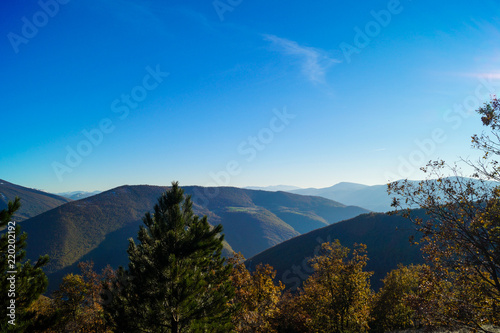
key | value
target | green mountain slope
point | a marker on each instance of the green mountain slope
(33, 202)
(98, 227)
(386, 237)
(72, 230)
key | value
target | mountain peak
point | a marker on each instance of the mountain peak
(347, 186)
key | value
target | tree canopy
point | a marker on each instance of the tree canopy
(177, 280)
(21, 283)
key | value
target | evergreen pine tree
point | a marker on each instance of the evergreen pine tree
(29, 280)
(176, 280)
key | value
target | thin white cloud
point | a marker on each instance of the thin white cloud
(491, 75)
(487, 75)
(314, 62)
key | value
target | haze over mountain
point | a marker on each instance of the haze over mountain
(386, 236)
(77, 195)
(33, 202)
(373, 197)
(98, 227)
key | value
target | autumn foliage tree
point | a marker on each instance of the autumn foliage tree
(336, 298)
(392, 307)
(256, 296)
(76, 306)
(292, 316)
(79, 299)
(451, 299)
(461, 236)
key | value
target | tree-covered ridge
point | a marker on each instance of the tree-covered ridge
(382, 233)
(33, 202)
(178, 281)
(97, 228)
(177, 277)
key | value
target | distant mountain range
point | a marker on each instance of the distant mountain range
(33, 202)
(374, 198)
(386, 236)
(274, 188)
(276, 227)
(77, 195)
(99, 226)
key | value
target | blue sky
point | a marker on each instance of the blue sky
(97, 94)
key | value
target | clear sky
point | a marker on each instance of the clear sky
(97, 94)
